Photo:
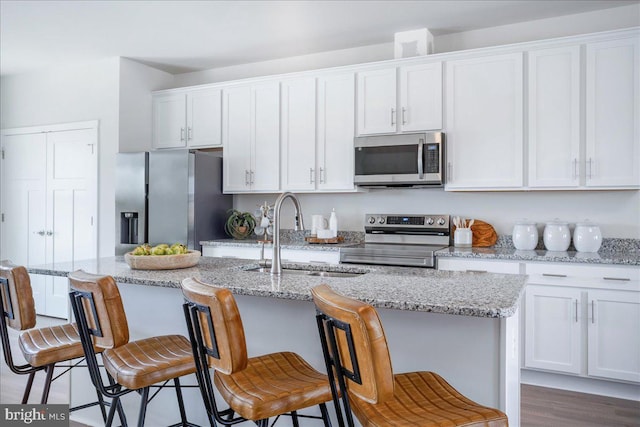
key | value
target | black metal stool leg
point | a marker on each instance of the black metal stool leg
(144, 397)
(325, 415)
(183, 416)
(27, 389)
(294, 419)
(47, 384)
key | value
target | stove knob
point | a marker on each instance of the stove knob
(381, 220)
(441, 221)
(372, 220)
(430, 221)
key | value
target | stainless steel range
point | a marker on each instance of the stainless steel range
(406, 240)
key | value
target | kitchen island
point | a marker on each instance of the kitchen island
(462, 325)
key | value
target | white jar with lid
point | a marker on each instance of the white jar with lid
(525, 235)
(587, 237)
(556, 236)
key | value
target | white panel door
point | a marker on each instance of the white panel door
(169, 118)
(377, 102)
(236, 137)
(613, 113)
(265, 134)
(554, 117)
(614, 334)
(484, 123)
(336, 127)
(298, 122)
(421, 97)
(204, 118)
(553, 339)
(24, 205)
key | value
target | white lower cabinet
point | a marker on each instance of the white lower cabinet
(583, 325)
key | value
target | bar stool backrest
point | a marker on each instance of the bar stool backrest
(18, 306)
(354, 345)
(219, 325)
(103, 308)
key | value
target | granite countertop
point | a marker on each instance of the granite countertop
(415, 289)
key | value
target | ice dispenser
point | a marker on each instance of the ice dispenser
(129, 228)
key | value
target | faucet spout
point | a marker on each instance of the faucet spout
(276, 267)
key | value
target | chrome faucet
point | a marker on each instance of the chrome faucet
(276, 267)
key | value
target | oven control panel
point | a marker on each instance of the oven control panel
(440, 222)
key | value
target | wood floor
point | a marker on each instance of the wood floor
(541, 407)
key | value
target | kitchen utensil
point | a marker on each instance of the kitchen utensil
(587, 237)
(556, 236)
(525, 235)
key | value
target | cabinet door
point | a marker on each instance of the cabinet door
(377, 102)
(236, 136)
(614, 334)
(484, 122)
(553, 339)
(299, 134)
(336, 126)
(265, 134)
(204, 118)
(421, 97)
(554, 117)
(169, 118)
(612, 113)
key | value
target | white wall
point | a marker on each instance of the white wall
(137, 81)
(115, 91)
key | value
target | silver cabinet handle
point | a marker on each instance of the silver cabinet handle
(449, 172)
(181, 134)
(575, 168)
(590, 161)
(310, 175)
(476, 271)
(189, 133)
(39, 233)
(593, 311)
(575, 302)
(393, 116)
(251, 175)
(404, 120)
(246, 177)
(554, 275)
(322, 177)
(622, 279)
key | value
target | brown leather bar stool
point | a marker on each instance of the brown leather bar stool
(131, 366)
(256, 388)
(357, 356)
(43, 348)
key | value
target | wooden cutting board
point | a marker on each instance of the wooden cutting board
(484, 235)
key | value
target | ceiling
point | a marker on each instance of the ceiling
(184, 36)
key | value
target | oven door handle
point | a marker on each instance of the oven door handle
(420, 156)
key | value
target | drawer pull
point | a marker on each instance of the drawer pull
(622, 279)
(554, 275)
(476, 271)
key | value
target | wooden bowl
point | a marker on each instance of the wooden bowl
(162, 262)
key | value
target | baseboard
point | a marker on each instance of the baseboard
(614, 389)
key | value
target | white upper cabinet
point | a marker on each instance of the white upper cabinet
(554, 117)
(251, 138)
(418, 108)
(336, 126)
(187, 119)
(484, 124)
(377, 101)
(298, 134)
(421, 97)
(612, 113)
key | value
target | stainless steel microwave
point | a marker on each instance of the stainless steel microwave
(401, 160)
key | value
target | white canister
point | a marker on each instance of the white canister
(587, 237)
(556, 236)
(525, 235)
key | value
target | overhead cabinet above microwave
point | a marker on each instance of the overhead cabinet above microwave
(417, 106)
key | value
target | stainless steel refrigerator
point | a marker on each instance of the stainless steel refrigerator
(168, 197)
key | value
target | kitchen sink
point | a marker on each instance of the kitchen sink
(320, 273)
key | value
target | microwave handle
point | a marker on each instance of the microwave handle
(420, 157)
